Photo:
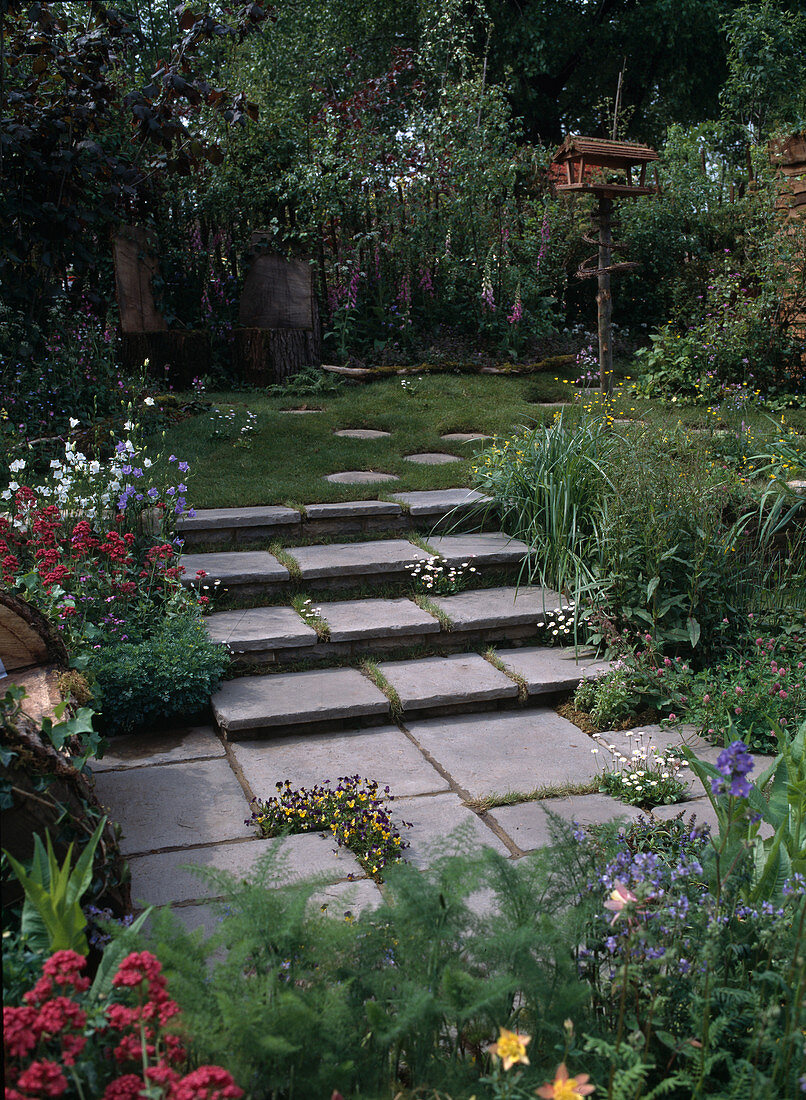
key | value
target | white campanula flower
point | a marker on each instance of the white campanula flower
(95, 467)
(147, 462)
(149, 401)
(55, 464)
(17, 465)
(73, 422)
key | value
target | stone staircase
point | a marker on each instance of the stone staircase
(287, 694)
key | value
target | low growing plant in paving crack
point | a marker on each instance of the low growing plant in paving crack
(647, 777)
(353, 811)
(436, 577)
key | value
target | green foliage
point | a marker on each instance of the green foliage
(778, 799)
(386, 999)
(766, 84)
(52, 917)
(169, 674)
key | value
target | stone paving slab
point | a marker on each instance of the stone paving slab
(435, 821)
(362, 433)
(528, 824)
(345, 899)
(260, 628)
(352, 509)
(344, 559)
(261, 516)
(352, 620)
(359, 477)
(184, 803)
(513, 751)
(384, 754)
(486, 549)
(163, 878)
(551, 669)
(432, 458)
(437, 502)
(138, 750)
(444, 681)
(486, 608)
(234, 567)
(464, 437)
(253, 703)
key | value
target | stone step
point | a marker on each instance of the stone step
(422, 511)
(270, 635)
(315, 701)
(344, 565)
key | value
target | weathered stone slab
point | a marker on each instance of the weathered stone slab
(362, 433)
(432, 458)
(344, 559)
(175, 805)
(458, 679)
(352, 620)
(359, 477)
(514, 751)
(528, 824)
(384, 754)
(165, 877)
(438, 502)
(164, 747)
(234, 567)
(295, 698)
(464, 437)
(217, 518)
(486, 549)
(343, 900)
(443, 826)
(352, 509)
(260, 628)
(486, 608)
(551, 669)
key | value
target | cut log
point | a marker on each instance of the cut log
(174, 357)
(26, 636)
(264, 357)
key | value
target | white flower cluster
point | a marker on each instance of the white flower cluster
(647, 774)
(435, 575)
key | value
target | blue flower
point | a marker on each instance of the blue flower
(734, 763)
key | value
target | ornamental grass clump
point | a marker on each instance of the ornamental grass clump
(353, 812)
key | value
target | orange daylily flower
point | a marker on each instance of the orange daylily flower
(564, 1087)
(511, 1048)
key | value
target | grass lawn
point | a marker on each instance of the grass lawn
(290, 454)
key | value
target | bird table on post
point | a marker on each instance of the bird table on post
(594, 166)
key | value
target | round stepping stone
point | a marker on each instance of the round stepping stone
(432, 458)
(464, 437)
(299, 412)
(359, 477)
(362, 433)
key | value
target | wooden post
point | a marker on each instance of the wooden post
(604, 300)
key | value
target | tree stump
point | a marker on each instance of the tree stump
(264, 357)
(175, 356)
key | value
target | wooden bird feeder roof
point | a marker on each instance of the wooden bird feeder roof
(577, 165)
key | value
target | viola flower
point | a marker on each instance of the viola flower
(511, 1048)
(564, 1087)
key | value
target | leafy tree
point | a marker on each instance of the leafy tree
(80, 150)
(766, 84)
(560, 59)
